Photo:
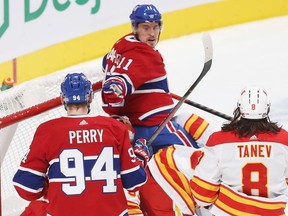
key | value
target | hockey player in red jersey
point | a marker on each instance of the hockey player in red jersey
(87, 160)
(244, 169)
(136, 86)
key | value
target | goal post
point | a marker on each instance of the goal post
(22, 109)
(37, 109)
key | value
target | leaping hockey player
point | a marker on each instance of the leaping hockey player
(136, 86)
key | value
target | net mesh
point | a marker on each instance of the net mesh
(16, 138)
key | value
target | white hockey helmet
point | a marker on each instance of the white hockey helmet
(254, 103)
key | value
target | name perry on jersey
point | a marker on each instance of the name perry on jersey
(257, 150)
(85, 136)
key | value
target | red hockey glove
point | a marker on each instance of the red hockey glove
(114, 90)
(142, 151)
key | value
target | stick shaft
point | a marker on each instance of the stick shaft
(202, 107)
(207, 65)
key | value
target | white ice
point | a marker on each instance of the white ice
(245, 54)
(250, 53)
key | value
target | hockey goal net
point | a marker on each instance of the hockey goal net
(22, 109)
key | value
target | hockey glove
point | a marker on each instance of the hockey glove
(142, 151)
(114, 90)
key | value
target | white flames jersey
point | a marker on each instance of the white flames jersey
(256, 166)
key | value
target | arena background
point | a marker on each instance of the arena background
(53, 37)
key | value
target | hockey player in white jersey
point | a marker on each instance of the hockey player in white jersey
(244, 168)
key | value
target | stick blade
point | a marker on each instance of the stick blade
(207, 43)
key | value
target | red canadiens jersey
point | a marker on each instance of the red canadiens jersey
(87, 161)
(255, 166)
(142, 69)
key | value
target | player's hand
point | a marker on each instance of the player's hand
(142, 151)
(114, 90)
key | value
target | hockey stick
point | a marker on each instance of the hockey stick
(202, 107)
(207, 43)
